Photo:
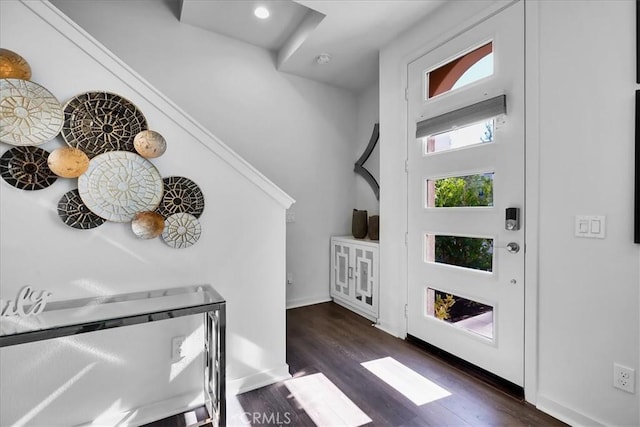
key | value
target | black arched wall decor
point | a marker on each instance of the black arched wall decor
(359, 165)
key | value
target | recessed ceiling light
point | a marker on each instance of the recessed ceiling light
(261, 12)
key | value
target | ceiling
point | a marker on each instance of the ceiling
(297, 32)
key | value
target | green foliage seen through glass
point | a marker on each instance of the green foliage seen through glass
(459, 191)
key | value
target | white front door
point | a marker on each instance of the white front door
(465, 176)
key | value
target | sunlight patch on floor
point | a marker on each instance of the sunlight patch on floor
(236, 414)
(325, 404)
(411, 384)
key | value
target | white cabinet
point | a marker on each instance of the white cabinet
(354, 275)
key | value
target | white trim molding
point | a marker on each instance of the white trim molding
(302, 302)
(565, 414)
(257, 380)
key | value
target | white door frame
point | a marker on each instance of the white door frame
(532, 175)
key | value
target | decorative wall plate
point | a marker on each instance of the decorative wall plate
(181, 195)
(29, 113)
(147, 225)
(119, 184)
(68, 162)
(13, 66)
(150, 144)
(98, 122)
(74, 213)
(26, 168)
(181, 230)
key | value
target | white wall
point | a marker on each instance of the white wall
(588, 289)
(579, 147)
(301, 134)
(241, 253)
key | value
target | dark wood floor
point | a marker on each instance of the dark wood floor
(329, 339)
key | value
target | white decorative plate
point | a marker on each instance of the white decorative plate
(181, 230)
(119, 184)
(29, 113)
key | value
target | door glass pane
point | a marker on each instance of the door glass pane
(465, 136)
(460, 312)
(460, 191)
(463, 70)
(468, 252)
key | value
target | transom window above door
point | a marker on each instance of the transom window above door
(461, 71)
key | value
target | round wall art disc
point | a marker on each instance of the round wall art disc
(98, 122)
(119, 184)
(68, 162)
(181, 195)
(74, 213)
(150, 144)
(13, 66)
(29, 113)
(181, 230)
(26, 168)
(147, 225)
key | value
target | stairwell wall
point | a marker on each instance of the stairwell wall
(301, 134)
(108, 376)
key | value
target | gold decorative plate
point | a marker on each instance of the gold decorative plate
(147, 225)
(29, 113)
(150, 144)
(13, 66)
(98, 122)
(119, 184)
(68, 162)
(181, 230)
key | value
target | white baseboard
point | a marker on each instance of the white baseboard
(260, 379)
(383, 328)
(301, 302)
(188, 401)
(152, 412)
(564, 413)
(356, 310)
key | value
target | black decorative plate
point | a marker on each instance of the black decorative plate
(181, 195)
(26, 168)
(73, 212)
(97, 122)
(29, 113)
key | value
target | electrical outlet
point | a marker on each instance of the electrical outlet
(289, 278)
(176, 348)
(624, 378)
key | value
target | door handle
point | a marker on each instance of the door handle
(350, 272)
(513, 247)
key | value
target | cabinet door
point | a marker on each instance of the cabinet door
(341, 270)
(366, 278)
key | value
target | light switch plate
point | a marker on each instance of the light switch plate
(590, 226)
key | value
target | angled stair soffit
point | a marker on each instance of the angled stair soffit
(297, 32)
(63, 24)
(290, 24)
